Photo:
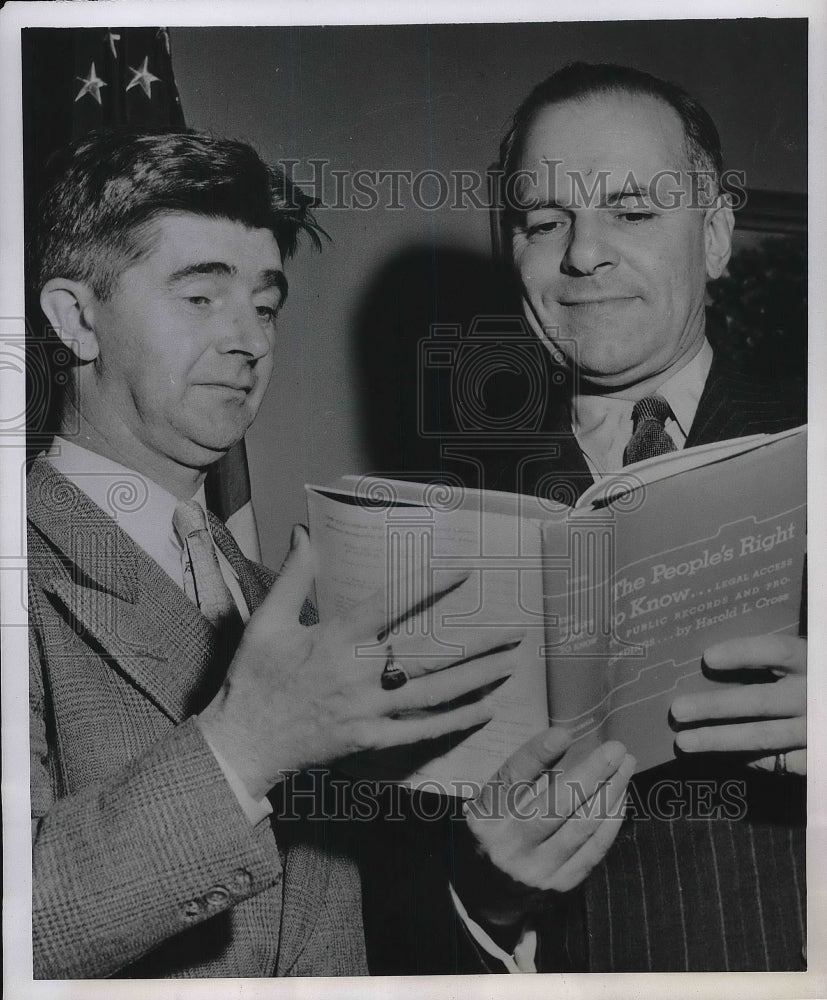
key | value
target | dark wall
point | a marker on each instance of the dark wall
(432, 97)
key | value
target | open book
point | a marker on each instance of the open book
(619, 596)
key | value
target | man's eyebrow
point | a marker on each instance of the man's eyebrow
(612, 199)
(538, 204)
(273, 279)
(628, 191)
(201, 268)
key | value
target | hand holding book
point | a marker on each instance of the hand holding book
(619, 596)
(754, 718)
(300, 696)
(538, 827)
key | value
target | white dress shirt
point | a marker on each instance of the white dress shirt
(523, 957)
(602, 424)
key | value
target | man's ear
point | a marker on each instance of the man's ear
(718, 225)
(66, 304)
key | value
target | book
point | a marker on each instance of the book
(618, 595)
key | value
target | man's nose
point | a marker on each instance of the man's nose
(588, 249)
(247, 334)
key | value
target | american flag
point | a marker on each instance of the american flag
(77, 79)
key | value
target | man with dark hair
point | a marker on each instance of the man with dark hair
(617, 221)
(174, 685)
(108, 187)
(579, 81)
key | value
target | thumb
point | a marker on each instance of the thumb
(292, 586)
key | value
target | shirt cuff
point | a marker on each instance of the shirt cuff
(255, 811)
(525, 951)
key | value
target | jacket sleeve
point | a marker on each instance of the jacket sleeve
(126, 864)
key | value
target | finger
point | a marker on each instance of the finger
(577, 868)
(565, 838)
(573, 843)
(370, 661)
(532, 759)
(410, 730)
(607, 796)
(786, 652)
(777, 700)
(282, 605)
(576, 785)
(369, 620)
(366, 620)
(774, 735)
(447, 685)
(474, 644)
(795, 763)
(414, 611)
(578, 795)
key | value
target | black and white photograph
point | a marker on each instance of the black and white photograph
(406, 453)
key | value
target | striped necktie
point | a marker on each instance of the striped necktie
(649, 437)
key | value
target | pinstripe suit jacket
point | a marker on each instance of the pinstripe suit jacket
(692, 894)
(144, 863)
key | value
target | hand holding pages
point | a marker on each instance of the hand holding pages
(619, 597)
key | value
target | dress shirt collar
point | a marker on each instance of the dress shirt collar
(684, 389)
(141, 507)
(602, 424)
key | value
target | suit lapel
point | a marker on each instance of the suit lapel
(735, 404)
(307, 865)
(253, 578)
(134, 614)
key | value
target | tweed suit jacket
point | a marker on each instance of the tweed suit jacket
(144, 862)
(691, 894)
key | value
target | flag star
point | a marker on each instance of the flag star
(91, 85)
(143, 78)
(111, 37)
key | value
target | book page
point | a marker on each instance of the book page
(403, 552)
